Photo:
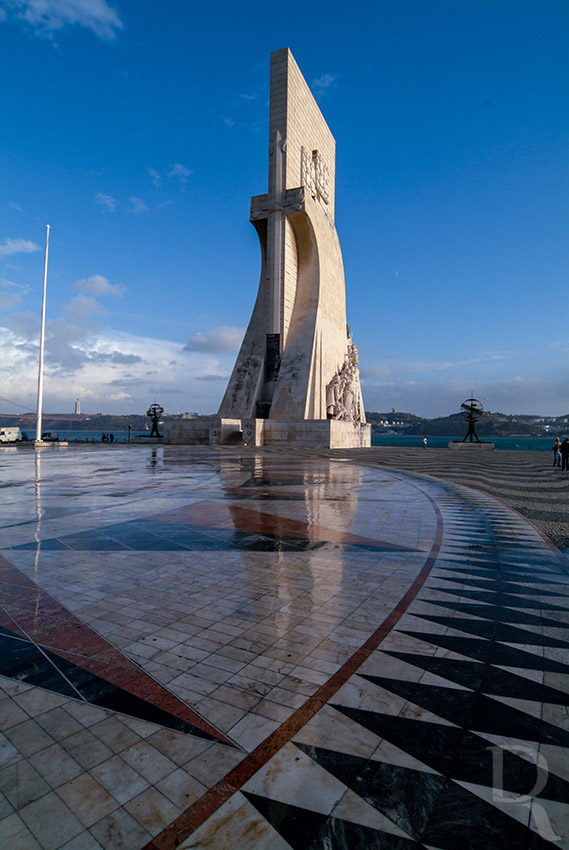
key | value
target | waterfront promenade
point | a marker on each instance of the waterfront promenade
(253, 649)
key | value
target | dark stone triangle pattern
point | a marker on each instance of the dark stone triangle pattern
(25, 662)
(490, 652)
(304, 829)
(495, 582)
(483, 677)
(475, 711)
(456, 753)
(505, 586)
(463, 820)
(498, 613)
(403, 795)
(498, 598)
(493, 630)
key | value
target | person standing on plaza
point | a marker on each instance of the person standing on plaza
(565, 454)
(557, 452)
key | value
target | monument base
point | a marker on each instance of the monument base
(187, 432)
(474, 446)
(316, 433)
(307, 433)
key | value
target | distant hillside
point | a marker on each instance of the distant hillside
(489, 425)
(407, 418)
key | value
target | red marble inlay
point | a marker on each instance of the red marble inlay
(65, 631)
(6, 622)
(11, 575)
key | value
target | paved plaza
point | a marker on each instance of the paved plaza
(254, 649)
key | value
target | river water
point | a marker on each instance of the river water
(527, 444)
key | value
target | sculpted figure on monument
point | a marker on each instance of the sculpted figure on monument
(334, 396)
(343, 392)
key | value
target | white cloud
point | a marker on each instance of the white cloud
(138, 205)
(9, 284)
(118, 372)
(17, 246)
(24, 325)
(401, 368)
(180, 171)
(81, 310)
(322, 84)
(219, 339)
(48, 16)
(14, 206)
(99, 286)
(11, 294)
(9, 300)
(156, 178)
(107, 201)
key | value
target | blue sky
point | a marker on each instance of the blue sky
(137, 130)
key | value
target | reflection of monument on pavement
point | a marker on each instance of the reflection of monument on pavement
(313, 511)
(296, 378)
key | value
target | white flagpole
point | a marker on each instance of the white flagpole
(42, 335)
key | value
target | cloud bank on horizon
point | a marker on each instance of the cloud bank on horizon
(144, 168)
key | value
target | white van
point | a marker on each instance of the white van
(50, 437)
(10, 435)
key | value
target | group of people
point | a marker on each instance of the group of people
(561, 453)
(107, 438)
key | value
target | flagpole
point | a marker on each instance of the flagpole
(42, 336)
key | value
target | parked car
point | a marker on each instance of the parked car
(10, 435)
(50, 436)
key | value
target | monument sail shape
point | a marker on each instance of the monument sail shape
(296, 377)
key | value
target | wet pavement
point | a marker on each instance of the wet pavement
(215, 648)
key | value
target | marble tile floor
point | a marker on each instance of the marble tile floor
(250, 649)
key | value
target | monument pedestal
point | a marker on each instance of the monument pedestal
(310, 433)
(192, 432)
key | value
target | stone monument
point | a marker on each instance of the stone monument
(296, 378)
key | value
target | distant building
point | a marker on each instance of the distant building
(77, 407)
